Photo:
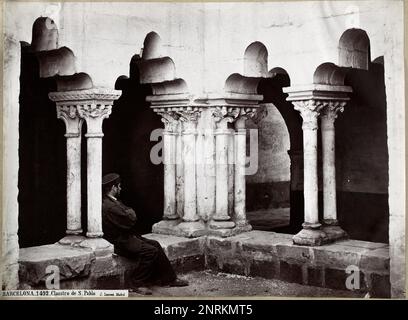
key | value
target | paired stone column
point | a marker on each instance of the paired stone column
(73, 125)
(93, 106)
(311, 102)
(209, 187)
(330, 222)
(221, 219)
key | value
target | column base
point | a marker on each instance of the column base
(71, 240)
(74, 232)
(94, 234)
(224, 233)
(310, 237)
(165, 226)
(216, 225)
(100, 246)
(333, 231)
(190, 229)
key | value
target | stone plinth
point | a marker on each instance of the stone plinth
(205, 188)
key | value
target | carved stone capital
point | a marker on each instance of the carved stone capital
(189, 114)
(222, 117)
(309, 110)
(245, 114)
(94, 114)
(92, 105)
(70, 116)
(94, 111)
(330, 112)
(170, 120)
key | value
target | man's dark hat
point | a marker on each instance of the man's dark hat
(110, 178)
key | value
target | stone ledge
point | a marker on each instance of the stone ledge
(273, 255)
(72, 262)
(255, 253)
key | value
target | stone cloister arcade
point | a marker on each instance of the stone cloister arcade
(184, 158)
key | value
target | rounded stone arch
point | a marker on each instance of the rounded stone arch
(281, 126)
(152, 46)
(44, 34)
(354, 49)
(271, 89)
(330, 74)
(256, 60)
(151, 66)
(59, 61)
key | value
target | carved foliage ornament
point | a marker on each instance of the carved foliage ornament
(94, 110)
(67, 112)
(189, 115)
(73, 124)
(170, 120)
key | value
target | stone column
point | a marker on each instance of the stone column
(191, 226)
(311, 233)
(221, 219)
(329, 114)
(239, 173)
(73, 124)
(94, 114)
(169, 158)
(170, 214)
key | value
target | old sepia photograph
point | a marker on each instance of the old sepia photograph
(203, 150)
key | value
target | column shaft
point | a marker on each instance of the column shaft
(221, 196)
(169, 144)
(74, 185)
(239, 188)
(94, 190)
(179, 172)
(310, 172)
(329, 169)
(190, 191)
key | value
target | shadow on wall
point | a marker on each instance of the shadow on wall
(42, 146)
(362, 157)
(127, 141)
(126, 150)
(361, 140)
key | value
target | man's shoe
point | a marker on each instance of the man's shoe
(142, 290)
(178, 283)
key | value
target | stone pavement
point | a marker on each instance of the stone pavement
(218, 284)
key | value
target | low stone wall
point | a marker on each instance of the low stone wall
(256, 253)
(273, 255)
(83, 268)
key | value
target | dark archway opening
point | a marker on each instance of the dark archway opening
(362, 157)
(283, 199)
(127, 146)
(42, 158)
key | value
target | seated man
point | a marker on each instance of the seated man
(118, 220)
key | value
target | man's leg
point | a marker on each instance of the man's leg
(163, 271)
(146, 255)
